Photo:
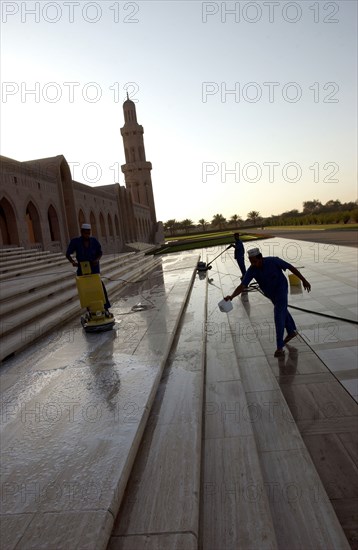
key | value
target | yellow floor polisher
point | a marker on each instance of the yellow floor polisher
(91, 295)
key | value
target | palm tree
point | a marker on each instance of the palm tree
(203, 223)
(253, 215)
(171, 225)
(186, 224)
(218, 220)
(236, 220)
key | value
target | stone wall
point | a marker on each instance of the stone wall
(32, 212)
(42, 207)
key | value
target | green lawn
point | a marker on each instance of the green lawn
(204, 241)
(225, 237)
(227, 233)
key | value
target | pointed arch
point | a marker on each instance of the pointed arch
(81, 217)
(146, 195)
(8, 226)
(53, 223)
(110, 226)
(33, 224)
(116, 224)
(93, 225)
(102, 226)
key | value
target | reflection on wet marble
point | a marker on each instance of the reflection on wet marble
(317, 378)
(217, 444)
(157, 502)
(333, 274)
(235, 511)
(74, 409)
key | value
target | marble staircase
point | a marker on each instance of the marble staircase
(38, 291)
(222, 464)
(178, 437)
(85, 460)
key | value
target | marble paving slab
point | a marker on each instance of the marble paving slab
(233, 515)
(284, 459)
(162, 495)
(71, 429)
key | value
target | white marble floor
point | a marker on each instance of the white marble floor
(332, 271)
(75, 408)
(257, 411)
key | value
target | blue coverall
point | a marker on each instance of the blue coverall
(240, 256)
(88, 253)
(274, 285)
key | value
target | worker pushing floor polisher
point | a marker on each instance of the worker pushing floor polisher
(91, 291)
(91, 295)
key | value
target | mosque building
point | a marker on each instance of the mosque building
(42, 207)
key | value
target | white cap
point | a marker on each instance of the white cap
(253, 252)
(86, 226)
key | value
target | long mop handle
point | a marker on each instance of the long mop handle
(219, 255)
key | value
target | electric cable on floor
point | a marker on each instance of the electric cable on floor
(255, 288)
(325, 315)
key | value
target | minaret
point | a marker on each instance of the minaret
(136, 170)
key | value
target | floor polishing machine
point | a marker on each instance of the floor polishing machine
(202, 267)
(91, 295)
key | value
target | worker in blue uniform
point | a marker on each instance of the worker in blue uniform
(87, 249)
(239, 253)
(268, 273)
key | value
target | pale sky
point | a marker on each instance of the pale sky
(245, 105)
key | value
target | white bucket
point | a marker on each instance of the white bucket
(225, 306)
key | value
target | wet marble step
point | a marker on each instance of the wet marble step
(235, 511)
(53, 259)
(26, 326)
(21, 264)
(25, 256)
(8, 252)
(301, 519)
(74, 419)
(35, 281)
(33, 267)
(162, 498)
(44, 288)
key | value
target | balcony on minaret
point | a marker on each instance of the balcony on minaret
(135, 166)
(132, 129)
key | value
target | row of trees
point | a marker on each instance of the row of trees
(313, 212)
(219, 221)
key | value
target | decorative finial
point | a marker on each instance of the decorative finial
(127, 96)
